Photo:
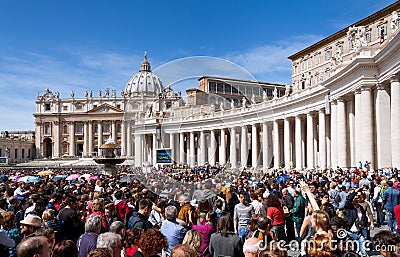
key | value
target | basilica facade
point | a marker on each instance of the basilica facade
(343, 107)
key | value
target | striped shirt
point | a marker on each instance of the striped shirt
(243, 213)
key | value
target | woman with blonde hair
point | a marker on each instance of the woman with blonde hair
(193, 238)
(50, 220)
(98, 210)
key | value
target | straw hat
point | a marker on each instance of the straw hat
(32, 220)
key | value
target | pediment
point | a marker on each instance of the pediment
(105, 108)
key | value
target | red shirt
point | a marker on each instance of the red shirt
(397, 215)
(276, 216)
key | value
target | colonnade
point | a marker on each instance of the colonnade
(361, 125)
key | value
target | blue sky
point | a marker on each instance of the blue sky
(76, 45)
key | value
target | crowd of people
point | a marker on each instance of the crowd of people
(203, 211)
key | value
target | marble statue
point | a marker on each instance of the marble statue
(244, 102)
(99, 93)
(86, 93)
(107, 93)
(253, 99)
(232, 104)
(221, 105)
(394, 22)
(72, 94)
(113, 93)
(90, 93)
(275, 93)
(265, 96)
(287, 90)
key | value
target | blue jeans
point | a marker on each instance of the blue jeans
(360, 242)
(242, 233)
(391, 219)
(379, 215)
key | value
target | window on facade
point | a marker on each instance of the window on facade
(107, 128)
(212, 87)
(118, 106)
(47, 129)
(317, 59)
(119, 129)
(368, 36)
(16, 153)
(1, 152)
(47, 107)
(79, 107)
(235, 90)
(295, 69)
(303, 66)
(382, 30)
(29, 154)
(227, 88)
(79, 128)
(328, 54)
(242, 90)
(23, 153)
(220, 87)
(168, 105)
(309, 63)
(339, 48)
(65, 129)
(65, 107)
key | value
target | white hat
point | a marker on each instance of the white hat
(32, 220)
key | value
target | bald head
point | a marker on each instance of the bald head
(33, 246)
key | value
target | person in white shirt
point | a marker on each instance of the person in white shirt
(20, 192)
(258, 207)
(377, 202)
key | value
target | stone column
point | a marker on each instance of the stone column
(71, 138)
(85, 139)
(266, 131)
(99, 137)
(90, 132)
(181, 147)
(191, 149)
(328, 140)
(129, 140)
(334, 155)
(233, 152)
(138, 150)
(298, 142)
(357, 125)
(172, 146)
(351, 133)
(367, 126)
(114, 131)
(38, 139)
(254, 146)
(123, 138)
(202, 149)
(56, 150)
(222, 148)
(383, 131)
(341, 133)
(322, 138)
(395, 120)
(310, 141)
(154, 150)
(244, 149)
(277, 149)
(211, 156)
(287, 140)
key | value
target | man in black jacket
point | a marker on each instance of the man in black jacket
(352, 211)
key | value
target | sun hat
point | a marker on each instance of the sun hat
(32, 220)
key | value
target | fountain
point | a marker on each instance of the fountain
(108, 157)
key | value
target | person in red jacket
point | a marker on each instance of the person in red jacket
(98, 210)
(121, 207)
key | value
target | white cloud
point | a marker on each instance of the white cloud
(269, 62)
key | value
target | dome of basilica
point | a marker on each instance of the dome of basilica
(144, 81)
